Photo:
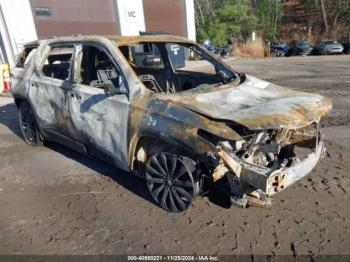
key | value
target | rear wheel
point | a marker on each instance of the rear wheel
(170, 181)
(28, 125)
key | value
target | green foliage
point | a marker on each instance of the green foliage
(269, 13)
(215, 31)
(239, 18)
(218, 20)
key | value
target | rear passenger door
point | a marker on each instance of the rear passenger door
(49, 86)
(100, 119)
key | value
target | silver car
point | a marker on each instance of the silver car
(328, 47)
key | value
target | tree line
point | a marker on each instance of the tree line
(332, 12)
(218, 20)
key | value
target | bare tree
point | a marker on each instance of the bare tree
(201, 18)
(324, 16)
(337, 10)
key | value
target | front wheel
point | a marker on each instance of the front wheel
(28, 125)
(170, 181)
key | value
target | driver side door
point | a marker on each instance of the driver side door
(100, 119)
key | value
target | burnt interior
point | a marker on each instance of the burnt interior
(57, 64)
(172, 68)
(97, 67)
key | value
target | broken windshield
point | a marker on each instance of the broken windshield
(176, 67)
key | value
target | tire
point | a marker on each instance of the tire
(171, 181)
(28, 125)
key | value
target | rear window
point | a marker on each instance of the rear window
(330, 42)
(25, 56)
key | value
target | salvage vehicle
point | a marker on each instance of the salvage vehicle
(299, 47)
(278, 48)
(345, 41)
(328, 47)
(181, 129)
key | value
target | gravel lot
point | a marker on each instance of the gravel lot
(56, 201)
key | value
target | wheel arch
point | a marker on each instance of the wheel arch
(141, 147)
(19, 100)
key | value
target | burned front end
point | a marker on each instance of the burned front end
(266, 162)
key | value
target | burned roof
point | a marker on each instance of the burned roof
(120, 40)
(124, 40)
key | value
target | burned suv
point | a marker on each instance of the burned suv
(142, 104)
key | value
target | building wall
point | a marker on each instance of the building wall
(124, 17)
(190, 20)
(16, 27)
(75, 17)
(20, 21)
(167, 16)
(130, 16)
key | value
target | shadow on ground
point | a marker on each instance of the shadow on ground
(129, 181)
(8, 117)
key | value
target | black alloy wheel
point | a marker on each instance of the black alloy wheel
(170, 181)
(28, 125)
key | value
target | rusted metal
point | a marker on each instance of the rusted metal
(247, 129)
(253, 201)
(257, 104)
(219, 171)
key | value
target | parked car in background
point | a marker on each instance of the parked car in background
(210, 47)
(328, 47)
(278, 48)
(225, 51)
(345, 41)
(222, 52)
(299, 47)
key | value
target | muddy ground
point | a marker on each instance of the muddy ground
(56, 201)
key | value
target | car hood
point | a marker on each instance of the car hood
(256, 104)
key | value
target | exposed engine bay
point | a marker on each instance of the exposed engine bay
(266, 162)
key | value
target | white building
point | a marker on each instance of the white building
(27, 20)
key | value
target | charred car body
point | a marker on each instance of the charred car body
(179, 128)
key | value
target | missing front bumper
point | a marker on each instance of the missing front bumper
(275, 181)
(257, 183)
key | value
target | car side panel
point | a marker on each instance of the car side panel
(48, 99)
(100, 121)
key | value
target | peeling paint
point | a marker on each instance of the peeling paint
(247, 128)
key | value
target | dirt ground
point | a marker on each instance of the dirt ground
(56, 201)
